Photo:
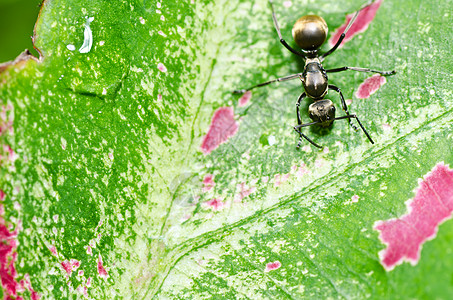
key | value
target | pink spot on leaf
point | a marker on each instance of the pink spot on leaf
(208, 182)
(244, 191)
(432, 205)
(287, 4)
(222, 127)
(75, 264)
(280, 178)
(67, 267)
(2, 195)
(53, 249)
(386, 126)
(101, 270)
(302, 170)
(8, 274)
(370, 86)
(272, 266)
(161, 67)
(71, 265)
(355, 198)
(319, 163)
(215, 204)
(8, 256)
(245, 98)
(26, 284)
(360, 25)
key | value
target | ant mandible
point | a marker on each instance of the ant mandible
(309, 33)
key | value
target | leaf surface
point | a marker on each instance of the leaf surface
(105, 181)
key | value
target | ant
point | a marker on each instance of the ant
(309, 33)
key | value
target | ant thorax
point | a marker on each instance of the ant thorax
(314, 79)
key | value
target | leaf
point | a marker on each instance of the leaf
(106, 190)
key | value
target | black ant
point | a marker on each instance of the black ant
(309, 33)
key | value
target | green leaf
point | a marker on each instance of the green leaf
(102, 163)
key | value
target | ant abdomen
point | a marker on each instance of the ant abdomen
(310, 32)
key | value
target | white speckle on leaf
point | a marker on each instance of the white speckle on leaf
(70, 47)
(432, 92)
(87, 37)
(142, 20)
(271, 140)
(386, 126)
(63, 143)
(162, 33)
(306, 148)
(424, 28)
(101, 43)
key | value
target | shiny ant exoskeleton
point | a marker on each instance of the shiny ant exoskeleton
(309, 33)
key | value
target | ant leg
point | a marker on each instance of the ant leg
(289, 77)
(302, 96)
(358, 121)
(383, 73)
(297, 129)
(343, 103)
(280, 34)
(300, 125)
(342, 36)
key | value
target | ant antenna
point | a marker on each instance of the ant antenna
(280, 34)
(343, 35)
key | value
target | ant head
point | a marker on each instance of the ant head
(310, 32)
(322, 111)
